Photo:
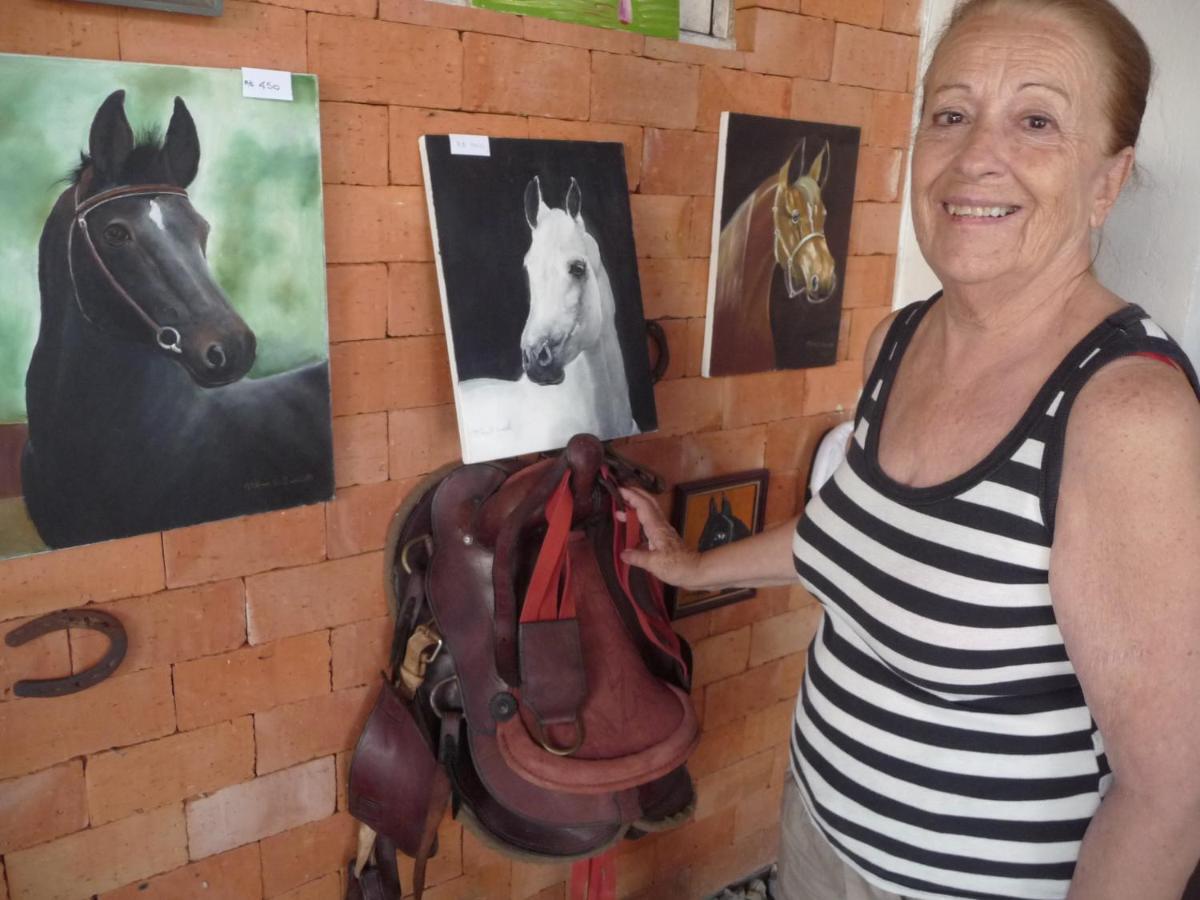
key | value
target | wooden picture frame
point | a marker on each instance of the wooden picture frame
(194, 7)
(712, 512)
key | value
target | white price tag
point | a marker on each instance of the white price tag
(470, 145)
(266, 84)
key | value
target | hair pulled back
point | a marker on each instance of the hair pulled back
(1127, 58)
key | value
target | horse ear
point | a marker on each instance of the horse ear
(533, 201)
(783, 181)
(574, 199)
(712, 506)
(182, 146)
(726, 506)
(820, 167)
(111, 138)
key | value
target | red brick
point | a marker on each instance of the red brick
(41, 807)
(622, 92)
(729, 90)
(695, 54)
(170, 627)
(659, 454)
(891, 119)
(299, 600)
(376, 224)
(364, 8)
(448, 864)
(833, 388)
(768, 728)
(414, 302)
(676, 332)
(369, 376)
(529, 878)
(327, 887)
(720, 452)
(45, 582)
(251, 680)
(678, 162)
(119, 711)
(360, 652)
(676, 288)
(726, 865)
(661, 224)
(302, 854)
(33, 26)
(868, 281)
(318, 726)
(688, 404)
(158, 773)
(405, 127)
(357, 302)
(824, 101)
(3, 882)
(610, 40)
(250, 34)
(354, 143)
(862, 324)
(868, 13)
(383, 62)
(719, 748)
(629, 135)
(784, 496)
(766, 602)
(423, 439)
(791, 443)
(783, 635)
(874, 59)
(256, 809)
(357, 520)
(875, 228)
(700, 227)
(290, 537)
(47, 657)
(720, 791)
(902, 15)
(763, 397)
(695, 346)
(636, 867)
(360, 449)
(487, 883)
(721, 656)
(753, 690)
(509, 76)
(880, 171)
(231, 876)
(453, 16)
(785, 44)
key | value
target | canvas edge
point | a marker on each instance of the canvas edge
(714, 246)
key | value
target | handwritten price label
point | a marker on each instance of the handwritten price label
(266, 84)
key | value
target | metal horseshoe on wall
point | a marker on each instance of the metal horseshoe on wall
(105, 623)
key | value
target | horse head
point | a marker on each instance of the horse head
(799, 213)
(566, 312)
(136, 249)
(722, 526)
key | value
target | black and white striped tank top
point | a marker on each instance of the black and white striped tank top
(941, 740)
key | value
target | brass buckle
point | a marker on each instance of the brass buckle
(561, 751)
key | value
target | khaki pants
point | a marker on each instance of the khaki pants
(809, 868)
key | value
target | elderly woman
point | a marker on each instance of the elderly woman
(1003, 697)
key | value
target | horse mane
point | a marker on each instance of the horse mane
(141, 165)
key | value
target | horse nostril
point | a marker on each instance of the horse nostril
(214, 356)
(545, 355)
(815, 284)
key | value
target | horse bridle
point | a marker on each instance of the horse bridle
(789, 255)
(165, 336)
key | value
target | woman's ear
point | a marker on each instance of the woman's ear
(1112, 179)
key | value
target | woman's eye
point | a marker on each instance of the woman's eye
(1037, 123)
(948, 117)
(577, 268)
(117, 234)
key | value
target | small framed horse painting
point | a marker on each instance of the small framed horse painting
(540, 292)
(780, 239)
(164, 346)
(713, 512)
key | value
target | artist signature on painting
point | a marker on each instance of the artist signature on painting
(281, 481)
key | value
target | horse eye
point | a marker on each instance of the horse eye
(117, 234)
(577, 268)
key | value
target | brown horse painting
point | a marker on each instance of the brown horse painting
(780, 224)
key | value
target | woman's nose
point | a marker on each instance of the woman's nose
(982, 152)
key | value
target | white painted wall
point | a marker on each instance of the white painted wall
(1150, 250)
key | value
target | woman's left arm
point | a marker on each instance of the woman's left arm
(1125, 580)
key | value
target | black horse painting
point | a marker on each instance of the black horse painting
(141, 417)
(721, 526)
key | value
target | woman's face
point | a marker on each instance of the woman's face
(1010, 169)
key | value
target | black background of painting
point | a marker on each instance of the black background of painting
(806, 334)
(483, 238)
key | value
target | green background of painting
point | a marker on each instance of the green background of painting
(259, 187)
(659, 18)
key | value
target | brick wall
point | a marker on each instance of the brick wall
(213, 766)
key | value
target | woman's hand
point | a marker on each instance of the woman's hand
(665, 555)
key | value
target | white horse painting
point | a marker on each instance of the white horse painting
(573, 377)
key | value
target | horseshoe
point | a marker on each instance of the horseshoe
(106, 623)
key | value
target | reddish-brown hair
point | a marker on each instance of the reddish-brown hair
(1128, 58)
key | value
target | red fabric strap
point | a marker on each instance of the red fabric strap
(549, 595)
(595, 878)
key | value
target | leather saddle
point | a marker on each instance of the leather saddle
(536, 683)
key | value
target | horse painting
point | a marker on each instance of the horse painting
(141, 414)
(779, 226)
(573, 372)
(722, 526)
